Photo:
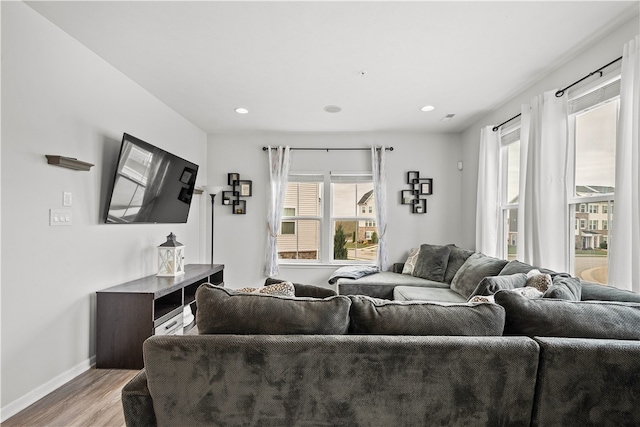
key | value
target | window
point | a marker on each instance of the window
(342, 230)
(299, 237)
(355, 234)
(593, 127)
(510, 194)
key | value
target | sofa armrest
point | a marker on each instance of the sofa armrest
(137, 403)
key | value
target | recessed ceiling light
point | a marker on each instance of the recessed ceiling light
(241, 110)
(428, 108)
(332, 109)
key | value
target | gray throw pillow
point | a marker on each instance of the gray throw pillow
(566, 287)
(545, 317)
(224, 312)
(386, 317)
(515, 266)
(599, 292)
(475, 268)
(491, 285)
(457, 257)
(432, 262)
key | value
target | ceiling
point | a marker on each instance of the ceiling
(380, 62)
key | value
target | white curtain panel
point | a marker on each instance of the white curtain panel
(543, 197)
(488, 201)
(624, 245)
(279, 162)
(378, 162)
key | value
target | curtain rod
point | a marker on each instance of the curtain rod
(330, 149)
(561, 92)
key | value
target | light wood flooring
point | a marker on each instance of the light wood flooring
(90, 399)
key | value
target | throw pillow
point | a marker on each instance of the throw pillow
(410, 263)
(285, 289)
(474, 269)
(528, 292)
(492, 284)
(572, 319)
(387, 317)
(516, 266)
(303, 290)
(457, 257)
(566, 287)
(538, 280)
(432, 262)
(482, 298)
(223, 312)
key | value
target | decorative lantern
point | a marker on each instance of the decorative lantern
(171, 257)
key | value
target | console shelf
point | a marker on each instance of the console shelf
(129, 313)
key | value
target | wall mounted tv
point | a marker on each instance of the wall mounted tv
(150, 185)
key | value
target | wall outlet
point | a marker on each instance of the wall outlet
(59, 217)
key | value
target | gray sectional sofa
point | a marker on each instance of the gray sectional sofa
(447, 273)
(357, 360)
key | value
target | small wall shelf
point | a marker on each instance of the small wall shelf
(241, 188)
(68, 162)
(419, 187)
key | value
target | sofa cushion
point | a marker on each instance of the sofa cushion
(432, 262)
(564, 287)
(224, 312)
(572, 319)
(457, 257)
(418, 293)
(596, 291)
(303, 290)
(384, 317)
(474, 269)
(492, 284)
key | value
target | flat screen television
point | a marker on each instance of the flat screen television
(150, 185)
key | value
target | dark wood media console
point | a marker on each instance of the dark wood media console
(129, 313)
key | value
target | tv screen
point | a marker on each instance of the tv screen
(150, 185)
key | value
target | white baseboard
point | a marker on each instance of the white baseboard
(38, 393)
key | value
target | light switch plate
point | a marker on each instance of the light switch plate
(66, 198)
(58, 217)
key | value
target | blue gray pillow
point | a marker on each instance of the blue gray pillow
(432, 262)
(491, 285)
(387, 317)
(475, 268)
(223, 312)
(564, 286)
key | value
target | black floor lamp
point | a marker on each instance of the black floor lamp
(212, 190)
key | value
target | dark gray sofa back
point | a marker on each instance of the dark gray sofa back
(587, 382)
(341, 380)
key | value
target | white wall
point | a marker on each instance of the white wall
(240, 239)
(60, 98)
(607, 48)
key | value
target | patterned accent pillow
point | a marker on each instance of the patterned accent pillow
(483, 298)
(285, 289)
(538, 280)
(528, 292)
(410, 263)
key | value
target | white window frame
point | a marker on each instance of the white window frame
(572, 199)
(325, 219)
(346, 177)
(509, 135)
